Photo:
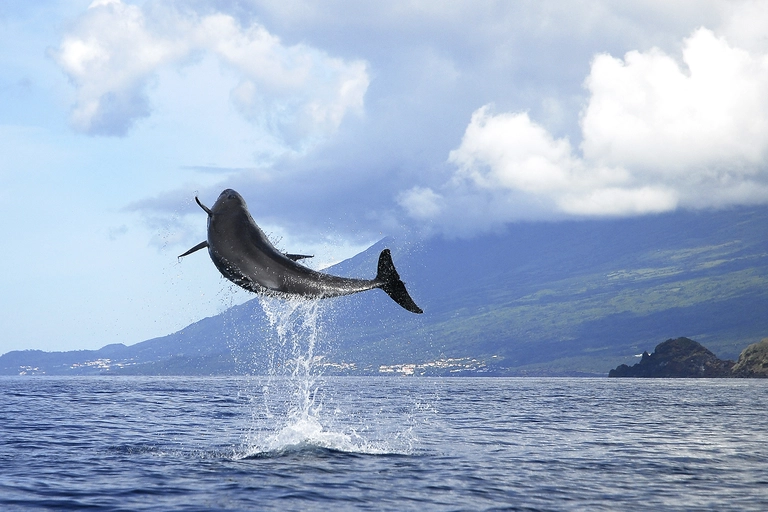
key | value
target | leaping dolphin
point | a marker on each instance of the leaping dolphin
(244, 255)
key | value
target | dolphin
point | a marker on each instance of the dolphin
(244, 255)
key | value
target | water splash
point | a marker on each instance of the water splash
(291, 351)
(288, 405)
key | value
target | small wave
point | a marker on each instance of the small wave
(309, 435)
(134, 449)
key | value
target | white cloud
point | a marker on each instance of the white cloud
(656, 134)
(420, 202)
(619, 201)
(651, 114)
(510, 151)
(699, 128)
(746, 24)
(115, 51)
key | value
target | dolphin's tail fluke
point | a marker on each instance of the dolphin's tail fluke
(392, 284)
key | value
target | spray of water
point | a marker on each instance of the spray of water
(291, 389)
(288, 404)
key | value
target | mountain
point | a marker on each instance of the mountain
(557, 298)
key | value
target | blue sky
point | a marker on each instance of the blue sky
(340, 123)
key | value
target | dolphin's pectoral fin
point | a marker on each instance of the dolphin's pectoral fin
(392, 284)
(297, 257)
(201, 245)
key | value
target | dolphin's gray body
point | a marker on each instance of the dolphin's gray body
(244, 255)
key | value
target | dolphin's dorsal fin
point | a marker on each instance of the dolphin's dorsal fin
(201, 245)
(297, 257)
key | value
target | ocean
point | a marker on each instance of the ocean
(382, 443)
(294, 439)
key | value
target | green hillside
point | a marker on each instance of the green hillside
(561, 298)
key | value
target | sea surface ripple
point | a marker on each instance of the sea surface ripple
(177, 443)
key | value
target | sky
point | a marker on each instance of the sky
(340, 123)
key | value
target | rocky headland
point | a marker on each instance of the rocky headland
(686, 358)
(753, 361)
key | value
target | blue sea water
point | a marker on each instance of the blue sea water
(348, 443)
(295, 440)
